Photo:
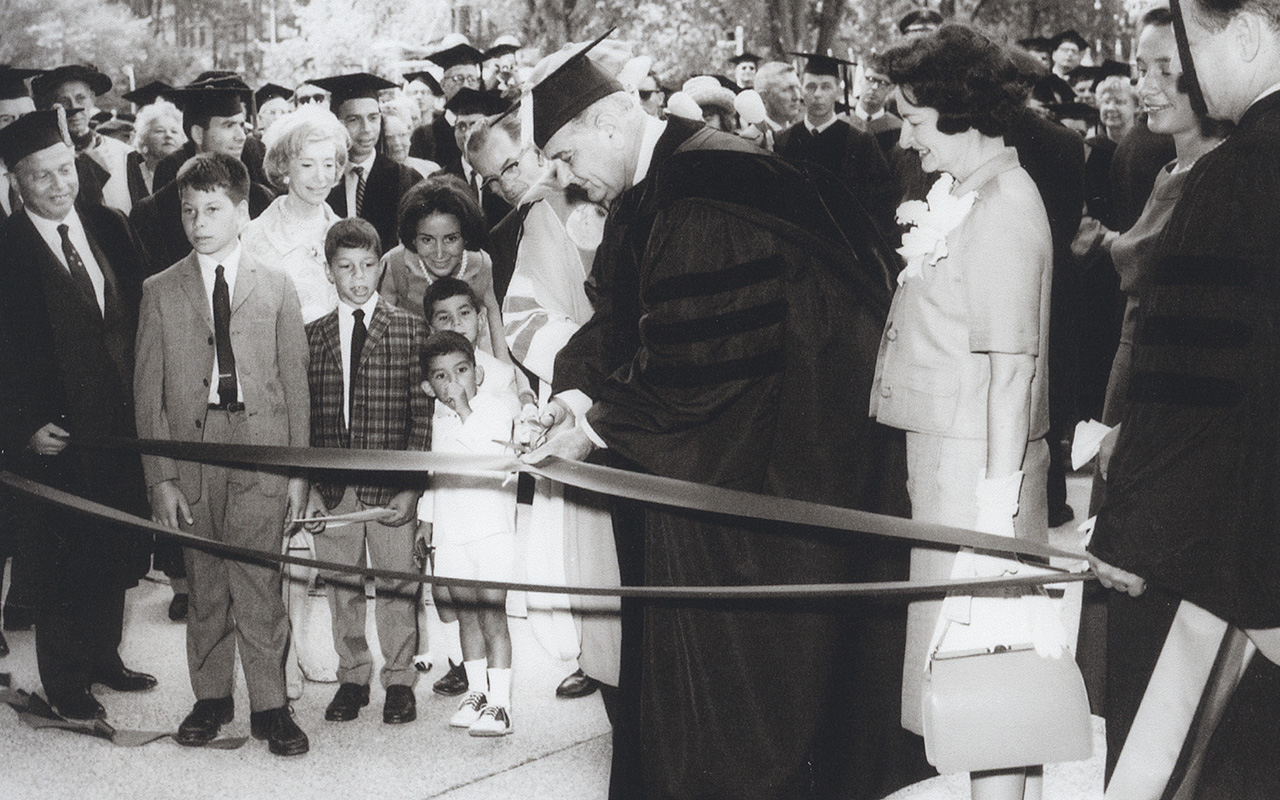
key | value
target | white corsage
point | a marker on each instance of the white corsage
(931, 220)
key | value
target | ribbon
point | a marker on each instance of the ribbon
(1189, 78)
(776, 591)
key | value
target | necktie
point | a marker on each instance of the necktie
(359, 171)
(79, 273)
(358, 334)
(227, 390)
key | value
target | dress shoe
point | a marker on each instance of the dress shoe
(19, 618)
(468, 710)
(400, 706)
(178, 607)
(576, 685)
(125, 680)
(77, 705)
(493, 721)
(347, 702)
(453, 683)
(4, 646)
(282, 734)
(203, 723)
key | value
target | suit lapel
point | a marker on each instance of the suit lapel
(377, 326)
(331, 339)
(246, 282)
(110, 286)
(55, 271)
(338, 197)
(193, 285)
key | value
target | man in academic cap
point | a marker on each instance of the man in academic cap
(422, 88)
(273, 102)
(76, 88)
(1189, 525)
(878, 120)
(214, 112)
(373, 183)
(70, 278)
(15, 102)
(1069, 48)
(214, 79)
(744, 69)
(824, 139)
(500, 67)
(471, 108)
(738, 305)
(436, 142)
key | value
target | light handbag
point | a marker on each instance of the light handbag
(1005, 708)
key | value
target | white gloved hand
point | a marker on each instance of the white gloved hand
(997, 500)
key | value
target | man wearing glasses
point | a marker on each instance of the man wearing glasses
(879, 121)
(652, 96)
(309, 94)
(436, 142)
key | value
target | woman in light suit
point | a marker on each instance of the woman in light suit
(962, 361)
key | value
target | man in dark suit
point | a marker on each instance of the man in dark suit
(435, 142)
(471, 108)
(213, 115)
(69, 290)
(373, 184)
(824, 139)
(879, 121)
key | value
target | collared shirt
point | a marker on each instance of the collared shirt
(817, 129)
(865, 117)
(346, 324)
(5, 186)
(352, 180)
(208, 273)
(48, 230)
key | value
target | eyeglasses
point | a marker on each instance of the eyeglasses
(880, 82)
(465, 80)
(303, 99)
(510, 171)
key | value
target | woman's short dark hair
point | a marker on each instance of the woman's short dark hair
(967, 76)
(442, 194)
(1162, 17)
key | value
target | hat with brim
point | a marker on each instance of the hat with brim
(921, 16)
(32, 133)
(707, 92)
(427, 79)
(1072, 36)
(148, 94)
(567, 90)
(13, 81)
(88, 74)
(505, 44)
(352, 86)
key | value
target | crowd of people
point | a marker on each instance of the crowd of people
(892, 286)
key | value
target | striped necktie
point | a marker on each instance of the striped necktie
(359, 171)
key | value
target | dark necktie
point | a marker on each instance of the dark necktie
(79, 273)
(359, 171)
(227, 390)
(358, 334)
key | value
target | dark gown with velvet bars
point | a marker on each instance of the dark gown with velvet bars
(733, 344)
(1193, 490)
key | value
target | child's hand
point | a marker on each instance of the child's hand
(528, 433)
(315, 508)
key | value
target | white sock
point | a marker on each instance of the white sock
(477, 677)
(500, 687)
(450, 644)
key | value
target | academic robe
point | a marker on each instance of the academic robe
(887, 129)
(1193, 489)
(435, 142)
(158, 220)
(252, 156)
(854, 156)
(62, 360)
(737, 318)
(386, 183)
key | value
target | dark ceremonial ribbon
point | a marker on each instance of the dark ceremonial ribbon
(595, 478)
(1194, 94)
(773, 591)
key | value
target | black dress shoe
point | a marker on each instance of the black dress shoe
(77, 705)
(576, 685)
(4, 646)
(125, 680)
(453, 683)
(205, 720)
(178, 607)
(19, 618)
(282, 734)
(400, 706)
(347, 702)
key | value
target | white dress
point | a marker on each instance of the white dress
(296, 248)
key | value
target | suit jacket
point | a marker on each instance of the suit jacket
(64, 361)
(175, 355)
(133, 174)
(158, 220)
(886, 129)
(391, 411)
(854, 156)
(386, 183)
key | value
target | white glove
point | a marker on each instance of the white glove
(997, 503)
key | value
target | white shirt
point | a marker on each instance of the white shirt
(4, 190)
(346, 325)
(817, 129)
(48, 230)
(464, 508)
(865, 117)
(208, 272)
(353, 180)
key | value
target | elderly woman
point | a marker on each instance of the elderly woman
(157, 132)
(962, 361)
(398, 123)
(306, 156)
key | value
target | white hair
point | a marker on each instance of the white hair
(148, 115)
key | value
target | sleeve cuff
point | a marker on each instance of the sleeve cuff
(577, 401)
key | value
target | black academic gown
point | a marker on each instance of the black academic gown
(737, 319)
(386, 184)
(504, 244)
(251, 156)
(158, 221)
(854, 156)
(436, 142)
(1193, 489)
(64, 361)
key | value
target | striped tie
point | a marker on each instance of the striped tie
(359, 171)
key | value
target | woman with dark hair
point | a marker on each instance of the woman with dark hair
(962, 365)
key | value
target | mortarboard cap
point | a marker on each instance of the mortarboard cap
(422, 76)
(213, 97)
(1072, 36)
(920, 18)
(744, 57)
(503, 45)
(1091, 74)
(1110, 67)
(354, 86)
(13, 81)
(818, 64)
(1074, 110)
(216, 74)
(567, 90)
(470, 101)
(1036, 44)
(457, 55)
(148, 94)
(269, 91)
(32, 133)
(48, 82)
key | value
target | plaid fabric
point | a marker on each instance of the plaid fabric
(391, 410)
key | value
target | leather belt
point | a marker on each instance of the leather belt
(226, 406)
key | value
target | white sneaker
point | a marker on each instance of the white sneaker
(468, 710)
(493, 721)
